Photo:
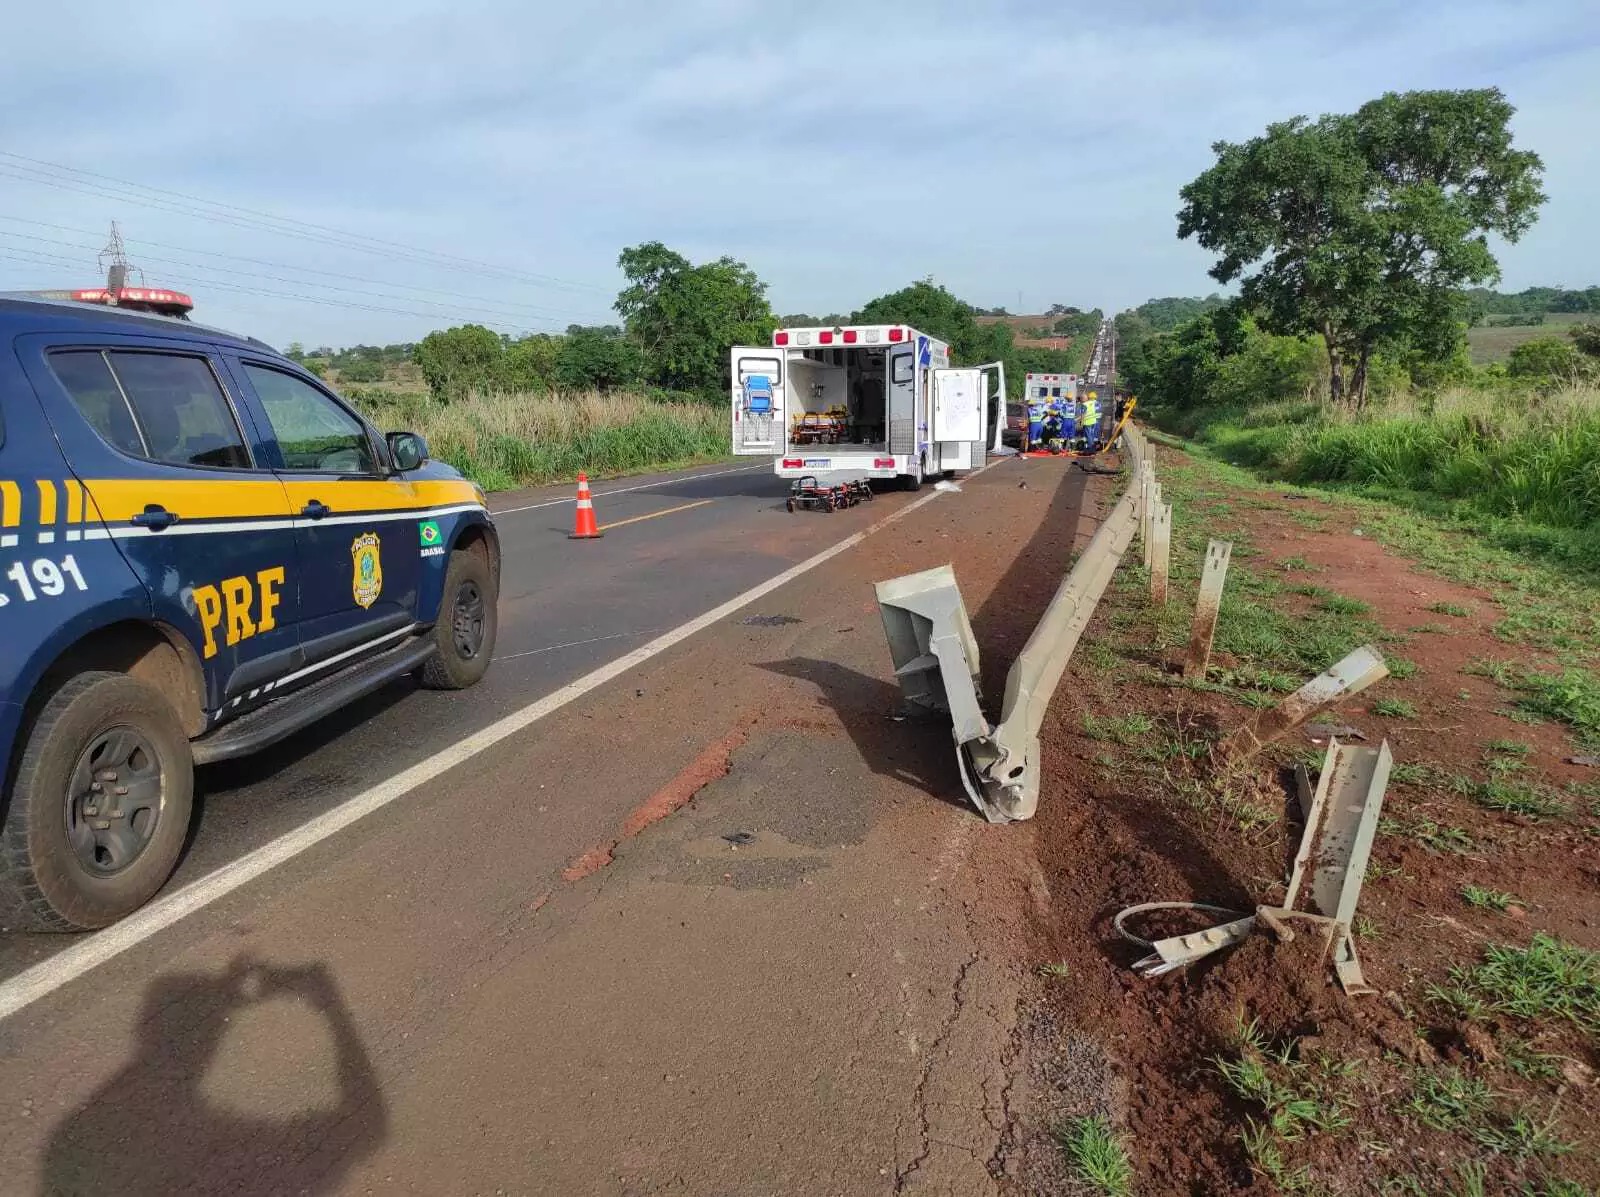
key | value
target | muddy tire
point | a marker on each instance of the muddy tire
(464, 632)
(100, 809)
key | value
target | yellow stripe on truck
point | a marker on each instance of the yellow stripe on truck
(10, 504)
(47, 501)
(120, 499)
(373, 495)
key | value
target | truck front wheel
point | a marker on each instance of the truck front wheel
(464, 632)
(100, 808)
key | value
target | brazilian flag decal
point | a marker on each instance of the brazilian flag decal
(428, 533)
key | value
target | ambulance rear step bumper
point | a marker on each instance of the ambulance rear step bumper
(299, 709)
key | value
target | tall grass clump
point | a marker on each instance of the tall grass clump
(1538, 461)
(506, 440)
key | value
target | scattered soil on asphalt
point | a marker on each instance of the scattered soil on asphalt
(1400, 1091)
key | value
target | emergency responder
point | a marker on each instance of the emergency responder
(1089, 422)
(1050, 431)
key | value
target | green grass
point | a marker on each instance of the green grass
(1486, 899)
(1455, 609)
(1401, 668)
(1571, 697)
(1548, 978)
(1282, 1085)
(1433, 836)
(1339, 604)
(1056, 969)
(1394, 708)
(1512, 747)
(1515, 797)
(1121, 729)
(1448, 1100)
(504, 441)
(1098, 1156)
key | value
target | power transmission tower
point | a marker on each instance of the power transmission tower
(114, 261)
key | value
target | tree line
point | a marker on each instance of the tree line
(678, 321)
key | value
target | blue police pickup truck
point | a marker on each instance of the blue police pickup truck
(202, 550)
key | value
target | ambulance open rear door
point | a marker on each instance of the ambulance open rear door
(758, 379)
(960, 406)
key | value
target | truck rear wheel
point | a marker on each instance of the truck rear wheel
(100, 809)
(913, 480)
(464, 632)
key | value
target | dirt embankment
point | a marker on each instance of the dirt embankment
(1472, 1070)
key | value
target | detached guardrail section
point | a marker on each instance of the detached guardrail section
(936, 656)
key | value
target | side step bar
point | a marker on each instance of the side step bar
(284, 716)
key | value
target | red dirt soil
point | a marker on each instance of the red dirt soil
(1115, 833)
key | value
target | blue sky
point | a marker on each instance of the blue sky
(841, 149)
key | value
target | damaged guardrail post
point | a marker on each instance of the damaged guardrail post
(1160, 553)
(1212, 577)
(1349, 676)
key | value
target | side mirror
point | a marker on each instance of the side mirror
(407, 450)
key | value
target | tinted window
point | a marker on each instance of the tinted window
(313, 431)
(94, 389)
(182, 412)
(900, 368)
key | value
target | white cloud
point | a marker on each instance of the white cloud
(842, 149)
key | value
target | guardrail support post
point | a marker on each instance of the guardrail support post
(1212, 577)
(1160, 553)
(1349, 676)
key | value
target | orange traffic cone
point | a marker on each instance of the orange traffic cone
(584, 526)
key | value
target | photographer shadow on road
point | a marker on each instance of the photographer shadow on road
(190, 1113)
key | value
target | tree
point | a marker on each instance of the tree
(1545, 358)
(1364, 227)
(1587, 338)
(459, 360)
(684, 318)
(597, 359)
(361, 370)
(530, 364)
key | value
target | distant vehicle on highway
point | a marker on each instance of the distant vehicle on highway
(1015, 433)
(202, 550)
(879, 401)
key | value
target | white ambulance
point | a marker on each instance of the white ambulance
(874, 401)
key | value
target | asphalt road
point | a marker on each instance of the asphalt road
(675, 545)
(721, 923)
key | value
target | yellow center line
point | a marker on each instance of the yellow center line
(654, 514)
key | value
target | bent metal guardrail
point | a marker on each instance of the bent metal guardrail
(936, 657)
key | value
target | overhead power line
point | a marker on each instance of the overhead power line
(349, 278)
(53, 174)
(36, 257)
(210, 276)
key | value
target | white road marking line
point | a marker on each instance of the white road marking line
(90, 952)
(622, 490)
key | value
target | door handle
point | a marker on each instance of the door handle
(155, 517)
(315, 510)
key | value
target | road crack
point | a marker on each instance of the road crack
(919, 1101)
